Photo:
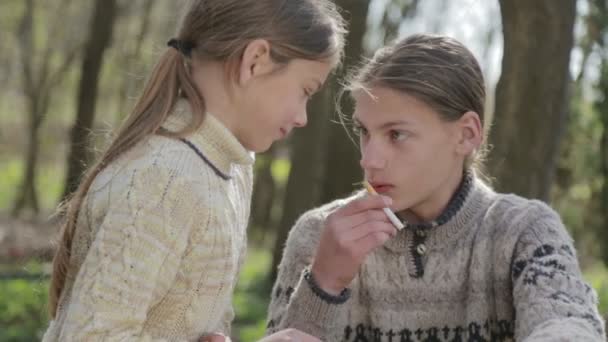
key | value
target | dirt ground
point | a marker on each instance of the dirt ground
(24, 239)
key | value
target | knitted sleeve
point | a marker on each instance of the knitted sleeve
(293, 303)
(552, 301)
(226, 321)
(133, 258)
(229, 314)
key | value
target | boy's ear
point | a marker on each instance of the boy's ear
(256, 61)
(471, 133)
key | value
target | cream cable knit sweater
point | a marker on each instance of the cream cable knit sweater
(159, 240)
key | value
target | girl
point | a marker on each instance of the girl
(155, 234)
(470, 264)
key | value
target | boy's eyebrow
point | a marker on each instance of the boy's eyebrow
(396, 123)
(386, 124)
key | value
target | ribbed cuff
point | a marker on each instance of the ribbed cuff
(311, 313)
(327, 297)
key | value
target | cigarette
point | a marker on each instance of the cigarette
(391, 216)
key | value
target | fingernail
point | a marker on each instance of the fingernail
(387, 200)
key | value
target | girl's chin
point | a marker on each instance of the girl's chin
(258, 146)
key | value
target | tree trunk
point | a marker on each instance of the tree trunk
(100, 35)
(40, 79)
(27, 196)
(131, 58)
(601, 109)
(604, 175)
(303, 185)
(264, 191)
(531, 95)
(342, 160)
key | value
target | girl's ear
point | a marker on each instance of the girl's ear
(471, 133)
(256, 61)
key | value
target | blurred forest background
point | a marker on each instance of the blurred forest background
(71, 70)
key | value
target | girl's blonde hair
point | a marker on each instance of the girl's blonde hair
(217, 30)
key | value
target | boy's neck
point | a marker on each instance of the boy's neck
(432, 207)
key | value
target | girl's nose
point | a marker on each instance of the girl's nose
(301, 119)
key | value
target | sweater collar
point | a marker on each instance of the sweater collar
(468, 202)
(214, 140)
(454, 205)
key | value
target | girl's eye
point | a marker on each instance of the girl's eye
(308, 93)
(398, 135)
(359, 130)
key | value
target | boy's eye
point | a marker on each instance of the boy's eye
(398, 135)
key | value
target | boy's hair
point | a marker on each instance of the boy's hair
(438, 70)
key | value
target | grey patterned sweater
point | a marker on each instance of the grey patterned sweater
(502, 268)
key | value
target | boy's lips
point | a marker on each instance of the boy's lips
(382, 187)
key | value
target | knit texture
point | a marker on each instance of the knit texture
(502, 268)
(159, 240)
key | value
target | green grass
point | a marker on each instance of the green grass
(10, 176)
(280, 170)
(23, 310)
(252, 296)
(597, 276)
